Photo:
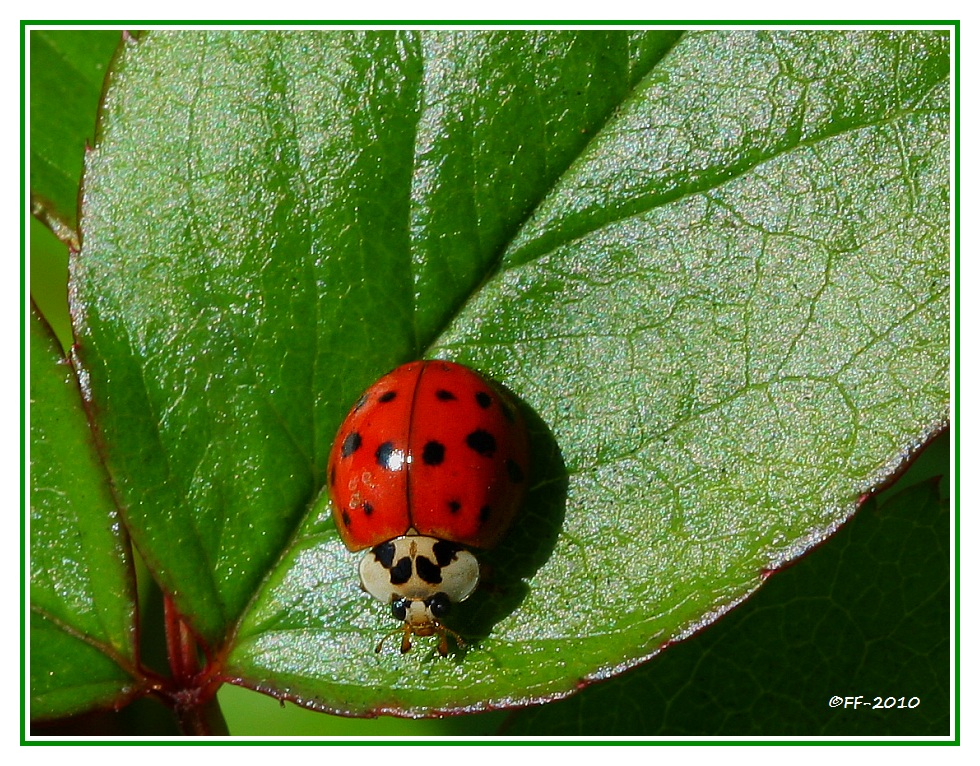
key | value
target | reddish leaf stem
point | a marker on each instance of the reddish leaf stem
(181, 645)
(192, 689)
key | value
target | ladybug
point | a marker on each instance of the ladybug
(431, 461)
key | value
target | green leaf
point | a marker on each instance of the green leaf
(67, 71)
(229, 326)
(867, 615)
(49, 276)
(718, 280)
(83, 629)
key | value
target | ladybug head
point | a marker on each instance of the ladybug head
(419, 578)
(421, 618)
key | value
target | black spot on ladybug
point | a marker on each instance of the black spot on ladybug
(483, 399)
(345, 517)
(385, 554)
(445, 396)
(352, 442)
(429, 572)
(367, 508)
(401, 572)
(484, 514)
(387, 396)
(514, 472)
(445, 552)
(482, 443)
(454, 506)
(387, 456)
(433, 453)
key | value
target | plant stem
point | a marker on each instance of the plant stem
(193, 694)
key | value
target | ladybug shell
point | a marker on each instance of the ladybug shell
(432, 447)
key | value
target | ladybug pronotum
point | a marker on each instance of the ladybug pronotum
(431, 461)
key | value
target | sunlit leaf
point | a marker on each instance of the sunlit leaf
(718, 279)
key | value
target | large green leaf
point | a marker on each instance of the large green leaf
(83, 630)
(269, 211)
(728, 315)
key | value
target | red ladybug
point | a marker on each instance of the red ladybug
(431, 460)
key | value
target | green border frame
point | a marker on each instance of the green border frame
(954, 25)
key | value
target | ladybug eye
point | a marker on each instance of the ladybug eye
(438, 604)
(399, 609)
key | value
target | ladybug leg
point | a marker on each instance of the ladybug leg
(407, 639)
(444, 633)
